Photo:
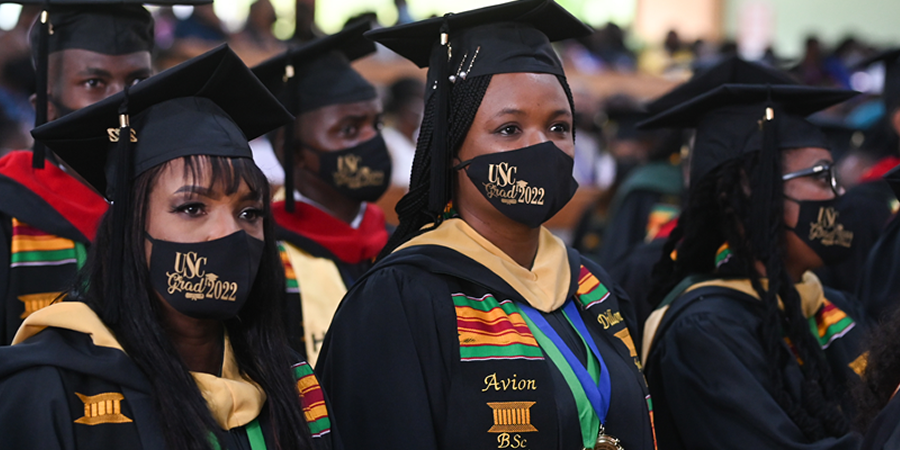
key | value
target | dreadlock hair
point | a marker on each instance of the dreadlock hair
(124, 299)
(882, 374)
(412, 210)
(719, 209)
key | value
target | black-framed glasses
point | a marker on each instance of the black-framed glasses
(819, 170)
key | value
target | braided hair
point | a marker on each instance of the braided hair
(719, 209)
(412, 210)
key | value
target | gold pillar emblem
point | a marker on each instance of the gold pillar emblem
(511, 417)
(102, 408)
(34, 302)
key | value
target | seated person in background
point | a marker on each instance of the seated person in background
(48, 217)
(748, 350)
(402, 117)
(334, 154)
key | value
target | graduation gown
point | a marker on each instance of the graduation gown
(647, 199)
(879, 286)
(708, 371)
(47, 219)
(884, 432)
(70, 386)
(429, 351)
(322, 256)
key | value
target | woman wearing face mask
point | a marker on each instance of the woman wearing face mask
(747, 349)
(479, 329)
(176, 339)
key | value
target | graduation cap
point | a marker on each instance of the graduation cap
(209, 105)
(727, 119)
(731, 70)
(314, 75)
(891, 91)
(511, 37)
(102, 26)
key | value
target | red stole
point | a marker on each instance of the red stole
(350, 245)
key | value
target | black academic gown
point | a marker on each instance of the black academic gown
(634, 273)
(45, 383)
(398, 375)
(51, 272)
(707, 371)
(648, 188)
(884, 432)
(879, 286)
(872, 202)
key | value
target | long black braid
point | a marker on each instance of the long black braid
(718, 210)
(412, 209)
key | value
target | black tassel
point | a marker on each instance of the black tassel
(40, 114)
(440, 158)
(287, 157)
(288, 147)
(121, 202)
(764, 185)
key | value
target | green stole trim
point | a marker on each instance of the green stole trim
(587, 417)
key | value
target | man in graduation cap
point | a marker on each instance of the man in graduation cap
(747, 348)
(83, 54)
(335, 165)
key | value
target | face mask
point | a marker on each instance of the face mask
(529, 185)
(826, 227)
(206, 280)
(359, 173)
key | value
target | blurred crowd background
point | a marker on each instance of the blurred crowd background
(639, 50)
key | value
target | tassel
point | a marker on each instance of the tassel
(287, 156)
(765, 182)
(40, 114)
(121, 205)
(288, 147)
(440, 159)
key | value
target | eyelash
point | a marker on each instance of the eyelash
(184, 208)
(565, 128)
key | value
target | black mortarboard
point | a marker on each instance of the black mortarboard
(891, 91)
(314, 75)
(110, 29)
(103, 26)
(511, 37)
(727, 120)
(318, 73)
(732, 70)
(209, 105)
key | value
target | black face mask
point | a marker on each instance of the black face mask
(529, 185)
(206, 280)
(826, 227)
(359, 173)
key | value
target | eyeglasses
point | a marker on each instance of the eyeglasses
(819, 171)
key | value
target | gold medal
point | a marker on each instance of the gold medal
(606, 442)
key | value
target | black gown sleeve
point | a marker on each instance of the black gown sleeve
(713, 374)
(385, 361)
(628, 227)
(34, 412)
(5, 255)
(884, 432)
